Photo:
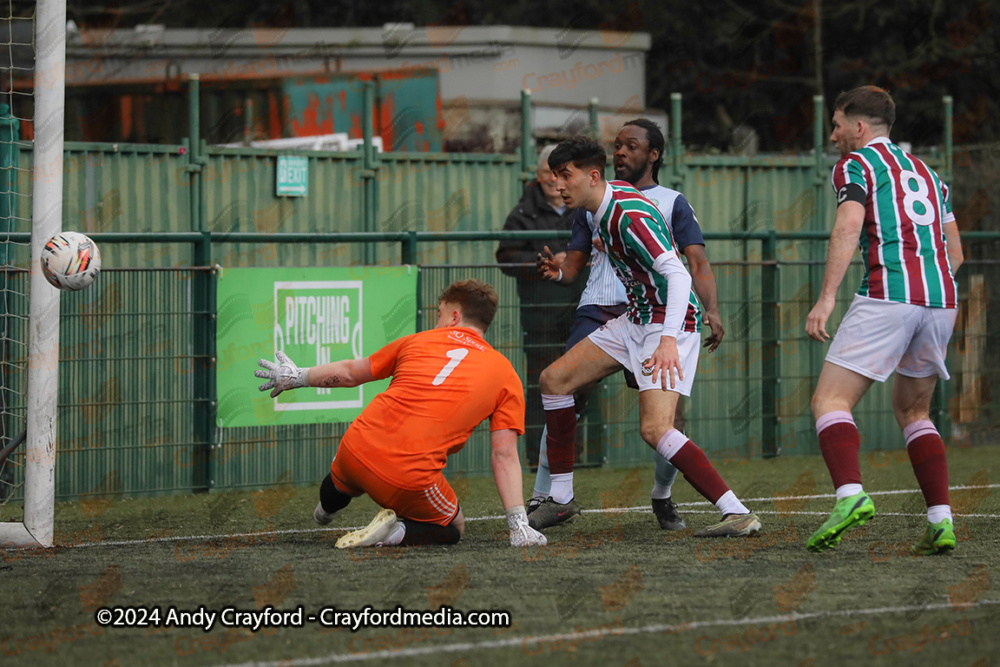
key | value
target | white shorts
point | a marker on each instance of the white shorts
(878, 337)
(633, 344)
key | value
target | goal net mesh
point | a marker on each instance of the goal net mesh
(16, 134)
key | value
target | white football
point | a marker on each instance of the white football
(71, 261)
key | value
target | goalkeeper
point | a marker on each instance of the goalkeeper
(445, 381)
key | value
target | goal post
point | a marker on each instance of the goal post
(43, 326)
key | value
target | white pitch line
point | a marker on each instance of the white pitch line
(646, 508)
(834, 495)
(877, 514)
(818, 496)
(585, 636)
(636, 508)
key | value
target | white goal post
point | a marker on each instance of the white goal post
(43, 328)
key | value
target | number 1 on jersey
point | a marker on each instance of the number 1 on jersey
(455, 358)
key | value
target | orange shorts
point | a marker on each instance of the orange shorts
(435, 504)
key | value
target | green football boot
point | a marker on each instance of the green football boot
(938, 538)
(851, 511)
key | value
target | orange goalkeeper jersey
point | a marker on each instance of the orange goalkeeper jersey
(444, 383)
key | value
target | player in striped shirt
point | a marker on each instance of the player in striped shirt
(655, 338)
(900, 320)
(639, 149)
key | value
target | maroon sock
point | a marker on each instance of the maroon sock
(930, 464)
(561, 439)
(699, 471)
(840, 441)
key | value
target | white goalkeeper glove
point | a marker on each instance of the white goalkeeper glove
(521, 534)
(282, 375)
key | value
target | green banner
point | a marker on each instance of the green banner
(315, 316)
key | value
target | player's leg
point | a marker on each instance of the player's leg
(388, 530)
(425, 533)
(411, 517)
(348, 478)
(543, 475)
(430, 516)
(588, 319)
(331, 501)
(679, 421)
(543, 478)
(584, 364)
(912, 393)
(664, 508)
(546, 329)
(911, 401)
(664, 474)
(868, 346)
(335, 491)
(536, 359)
(837, 392)
(657, 409)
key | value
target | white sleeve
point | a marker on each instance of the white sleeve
(670, 267)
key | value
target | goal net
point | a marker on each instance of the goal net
(31, 155)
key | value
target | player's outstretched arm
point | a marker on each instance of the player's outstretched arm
(843, 241)
(708, 292)
(507, 474)
(345, 373)
(285, 374)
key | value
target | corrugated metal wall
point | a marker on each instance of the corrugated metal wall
(125, 421)
(239, 196)
(446, 194)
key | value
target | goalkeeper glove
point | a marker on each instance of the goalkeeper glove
(521, 534)
(281, 376)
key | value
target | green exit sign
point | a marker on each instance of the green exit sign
(293, 176)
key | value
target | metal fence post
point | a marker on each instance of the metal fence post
(370, 165)
(821, 178)
(677, 146)
(939, 405)
(203, 306)
(948, 147)
(248, 134)
(593, 119)
(770, 346)
(527, 154)
(408, 252)
(818, 142)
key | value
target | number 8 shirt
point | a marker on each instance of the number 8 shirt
(445, 382)
(902, 241)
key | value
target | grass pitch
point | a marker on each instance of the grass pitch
(612, 589)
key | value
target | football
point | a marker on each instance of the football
(71, 261)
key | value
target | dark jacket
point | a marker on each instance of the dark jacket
(534, 213)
